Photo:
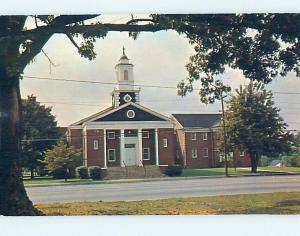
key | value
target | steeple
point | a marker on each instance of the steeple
(124, 91)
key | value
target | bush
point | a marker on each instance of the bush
(173, 170)
(95, 172)
(62, 173)
(82, 172)
(293, 161)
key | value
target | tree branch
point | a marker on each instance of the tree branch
(73, 41)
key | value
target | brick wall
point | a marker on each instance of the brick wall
(76, 137)
(149, 143)
(113, 144)
(166, 154)
(199, 144)
(95, 157)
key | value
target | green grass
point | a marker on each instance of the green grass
(267, 203)
(286, 169)
(45, 181)
(213, 172)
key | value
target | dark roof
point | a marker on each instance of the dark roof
(198, 120)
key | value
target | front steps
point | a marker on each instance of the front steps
(133, 172)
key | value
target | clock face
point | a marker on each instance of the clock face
(127, 98)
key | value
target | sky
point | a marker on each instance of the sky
(159, 59)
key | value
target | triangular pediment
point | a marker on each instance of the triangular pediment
(131, 112)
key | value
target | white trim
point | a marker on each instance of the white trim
(95, 144)
(242, 153)
(132, 115)
(116, 125)
(165, 142)
(140, 140)
(156, 147)
(206, 138)
(148, 154)
(111, 132)
(194, 157)
(75, 127)
(204, 152)
(128, 104)
(145, 132)
(122, 147)
(193, 138)
(104, 148)
(163, 165)
(111, 149)
(90, 117)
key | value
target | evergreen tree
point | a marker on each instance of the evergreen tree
(40, 132)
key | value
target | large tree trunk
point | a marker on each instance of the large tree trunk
(254, 161)
(13, 197)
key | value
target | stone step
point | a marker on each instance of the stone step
(133, 172)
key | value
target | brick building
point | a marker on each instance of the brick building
(196, 136)
(129, 134)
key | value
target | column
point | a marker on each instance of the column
(122, 147)
(140, 156)
(104, 148)
(156, 148)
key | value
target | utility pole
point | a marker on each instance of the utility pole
(224, 137)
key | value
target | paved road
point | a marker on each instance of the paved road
(164, 189)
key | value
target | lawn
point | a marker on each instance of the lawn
(267, 203)
(285, 169)
(42, 181)
(213, 172)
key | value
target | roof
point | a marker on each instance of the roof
(198, 120)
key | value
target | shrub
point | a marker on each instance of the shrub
(82, 172)
(293, 160)
(63, 173)
(95, 172)
(173, 170)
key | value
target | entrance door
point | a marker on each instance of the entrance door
(130, 154)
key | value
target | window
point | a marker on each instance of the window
(146, 153)
(194, 153)
(165, 142)
(242, 154)
(125, 74)
(194, 136)
(96, 145)
(127, 98)
(145, 134)
(111, 155)
(111, 135)
(130, 114)
(205, 152)
(205, 136)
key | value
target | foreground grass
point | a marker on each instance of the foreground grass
(267, 203)
(213, 172)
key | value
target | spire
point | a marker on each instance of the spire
(124, 57)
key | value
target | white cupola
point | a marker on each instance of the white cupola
(124, 91)
(124, 73)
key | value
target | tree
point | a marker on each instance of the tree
(62, 160)
(40, 132)
(219, 41)
(254, 124)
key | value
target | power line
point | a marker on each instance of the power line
(139, 85)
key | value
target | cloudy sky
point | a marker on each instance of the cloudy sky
(158, 58)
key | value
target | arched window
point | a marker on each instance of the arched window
(125, 74)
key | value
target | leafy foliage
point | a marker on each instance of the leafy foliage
(253, 123)
(40, 132)
(62, 160)
(173, 170)
(82, 172)
(95, 172)
(262, 46)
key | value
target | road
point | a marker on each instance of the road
(163, 189)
